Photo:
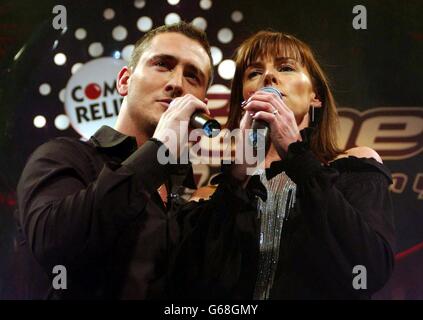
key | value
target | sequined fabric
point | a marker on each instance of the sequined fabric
(272, 213)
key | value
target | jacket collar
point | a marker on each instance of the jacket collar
(117, 144)
(107, 137)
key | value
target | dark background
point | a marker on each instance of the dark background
(378, 67)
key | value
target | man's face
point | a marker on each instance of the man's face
(171, 66)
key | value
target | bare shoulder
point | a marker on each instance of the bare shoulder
(361, 152)
(203, 193)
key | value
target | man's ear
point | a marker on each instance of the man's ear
(122, 82)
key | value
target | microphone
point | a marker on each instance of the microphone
(260, 139)
(210, 126)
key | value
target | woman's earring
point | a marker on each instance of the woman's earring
(314, 116)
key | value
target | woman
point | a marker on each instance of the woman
(323, 229)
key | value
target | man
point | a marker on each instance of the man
(106, 209)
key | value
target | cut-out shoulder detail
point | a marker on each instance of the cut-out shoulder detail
(355, 164)
(360, 152)
(203, 193)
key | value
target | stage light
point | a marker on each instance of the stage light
(95, 49)
(60, 59)
(116, 54)
(75, 67)
(119, 33)
(139, 4)
(200, 23)
(226, 69)
(109, 14)
(205, 4)
(80, 34)
(172, 18)
(216, 55)
(127, 52)
(39, 121)
(225, 35)
(61, 122)
(45, 89)
(62, 95)
(144, 24)
(237, 16)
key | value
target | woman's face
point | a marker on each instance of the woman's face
(288, 76)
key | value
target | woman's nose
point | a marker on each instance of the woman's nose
(270, 79)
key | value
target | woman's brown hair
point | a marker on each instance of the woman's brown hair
(270, 43)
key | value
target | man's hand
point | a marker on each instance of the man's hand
(172, 128)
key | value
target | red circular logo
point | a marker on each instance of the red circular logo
(92, 91)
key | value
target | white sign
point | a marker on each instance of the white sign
(91, 98)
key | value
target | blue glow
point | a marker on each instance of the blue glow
(116, 54)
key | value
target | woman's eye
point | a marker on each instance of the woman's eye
(286, 68)
(253, 74)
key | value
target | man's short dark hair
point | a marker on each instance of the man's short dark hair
(182, 27)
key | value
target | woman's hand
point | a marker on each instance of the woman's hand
(243, 149)
(270, 108)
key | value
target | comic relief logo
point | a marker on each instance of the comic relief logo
(91, 98)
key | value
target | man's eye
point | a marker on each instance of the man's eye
(193, 77)
(161, 63)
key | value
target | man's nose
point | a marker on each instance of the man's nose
(175, 83)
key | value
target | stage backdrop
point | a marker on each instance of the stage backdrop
(58, 76)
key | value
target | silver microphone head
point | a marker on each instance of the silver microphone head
(272, 90)
(210, 126)
(259, 139)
